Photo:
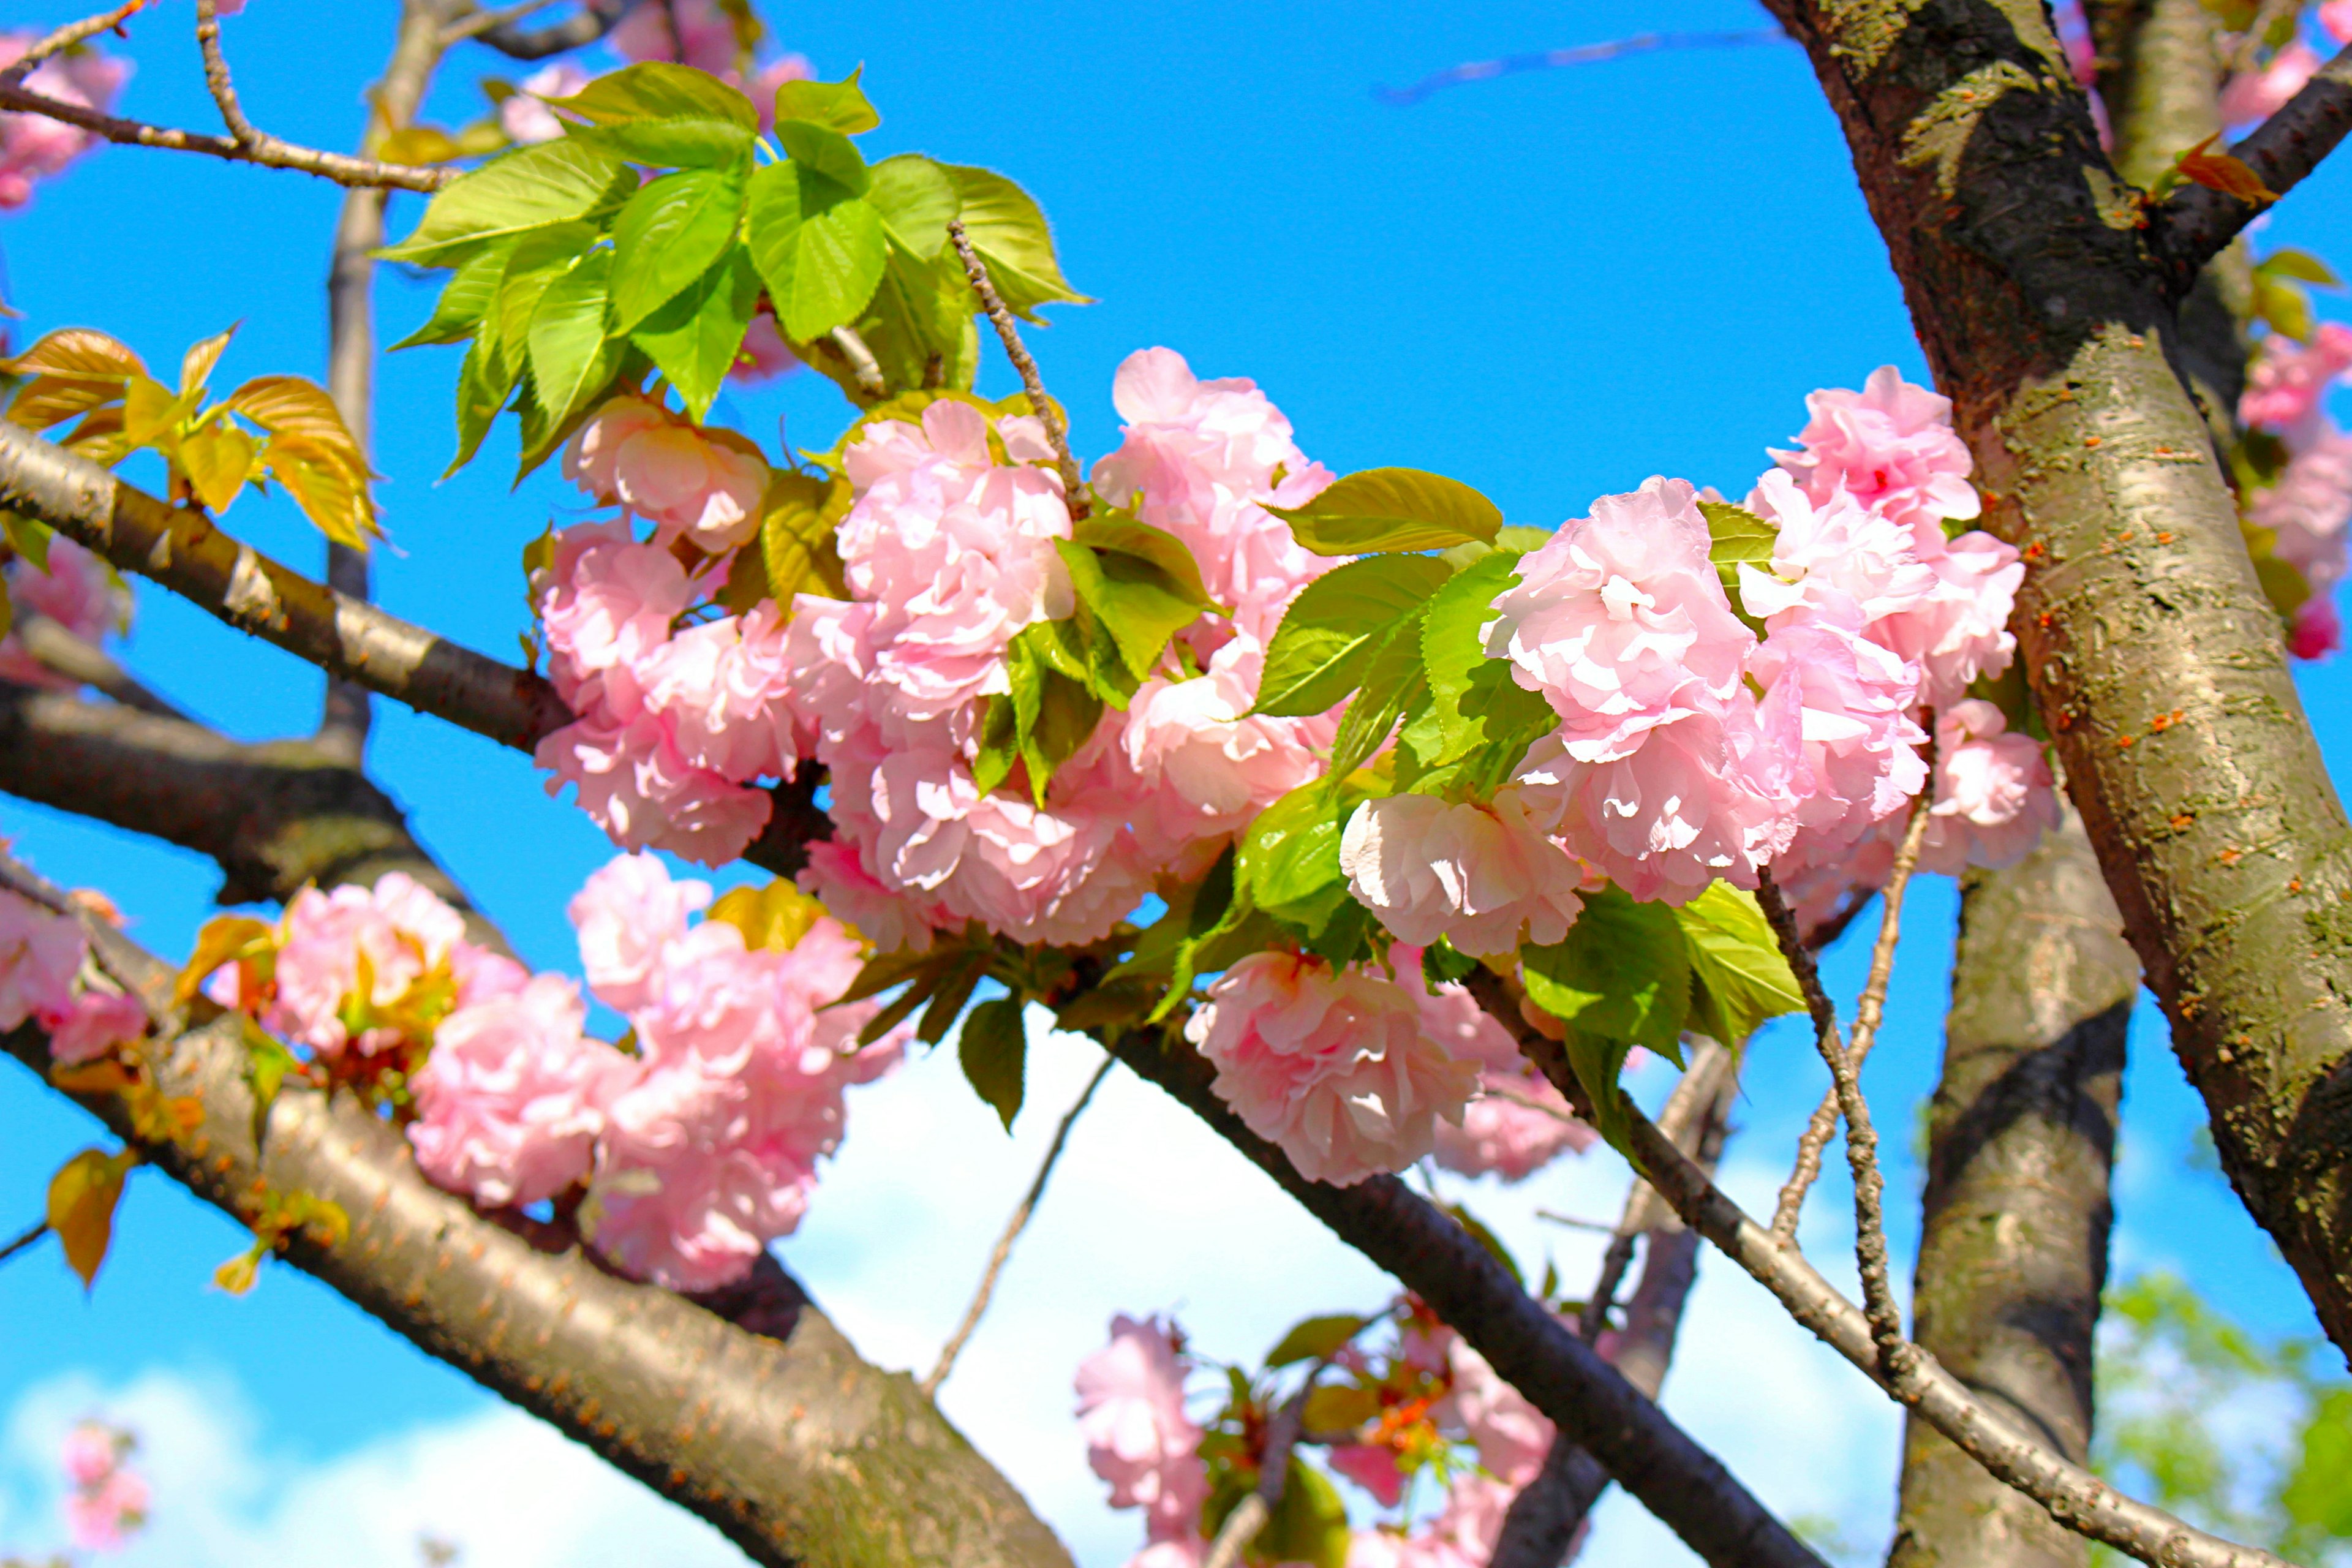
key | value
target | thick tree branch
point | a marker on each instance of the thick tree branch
(2154, 655)
(1682, 1483)
(2071, 1495)
(2013, 1247)
(793, 1448)
(2189, 227)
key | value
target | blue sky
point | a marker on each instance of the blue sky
(1551, 285)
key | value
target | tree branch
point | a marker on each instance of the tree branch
(2189, 227)
(796, 1450)
(1653, 1458)
(2073, 1496)
(67, 36)
(498, 29)
(1049, 413)
(84, 663)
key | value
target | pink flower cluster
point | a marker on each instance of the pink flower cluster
(33, 145)
(109, 1501)
(676, 725)
(41, 953)
(2308, 507)
(1518, 1123)
(1511, 1437)
(78, 591)
(1138, 1438)
(1333, 1067)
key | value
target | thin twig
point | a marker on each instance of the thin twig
(1680, 1118)
(1242, 1525)
(1057, 432)
(1013, 1229)
(1867, 1014)
(1583, 54)
(216, 81)
(67, 36)
(480, 22)
(1606, 1227)
(270, 153)
(2077, 1499)
(496, 30)
(39, 1229)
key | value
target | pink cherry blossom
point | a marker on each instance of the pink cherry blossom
(1372, 1468)
(764, 356)
(95, 1023)
(1138, 1436)
(703, 485)
(401, 927)
(91, 1452)
(640, 787)
(2253, 97)
(1333, 1068)
(892, 922)
(102, 1517)
(1838, 710)
(1892, 447)
(698, 33)
(1512, 1436)
(1618, 611)
(2288, 381)
(1961, 632)
(1994, 798)
(1484, 877)
(627, 913)
(78, 591)
(525, 114)
(725, 689)
(33, 146)
(508, 1102)
(2308, 507)
(1518, 1122)
(1835, 560)
(2335, 16)
(39, 954)
(2318, 632)
(606, 604)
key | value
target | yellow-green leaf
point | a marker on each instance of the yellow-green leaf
(841, 105)
(292, 407)
(335, 502)
(216, 458)
(418, 145)
(196, 365)
(775, 916)
(796, 537)
(149, 411)
(83, 1196)
(225, 939)
(1393, 509)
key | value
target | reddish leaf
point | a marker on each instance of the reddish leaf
(2225, 173)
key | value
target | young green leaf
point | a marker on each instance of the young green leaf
(1395, 686)
(1315, 1339)
(694, 339)
(686, 143)
(1288, 862)
(796, 536)
(919, 324)
(1621, 972)
(1738, 978)
(28, 537)
(993, 1051)
(1388, 510)
(1598, 1061)
(1475, 702)
(840, 105)
(217, 456)
(818, 246)
(482, 388)
(823, 150)
(657, 89)
(567, 336)
(457, 314)
(196, 365)
(1011, 235)
(1335, 625)
(531, 187)
(1309, 1525)
(1123, 533)
(2297, 264)
(1135, 601)
(916, 199)
(1739, 535)
(669, 234)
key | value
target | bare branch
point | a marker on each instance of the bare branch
(1242, 1525)
(84, 663)
(67, 36)
(1013, 1229)
(38, 1229)
(2073, 1497)
(1583, 54)
(1682, 1116)
(2191, 227)
(1868, 1014)
(1057, 432)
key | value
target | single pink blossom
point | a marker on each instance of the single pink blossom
(2318, 631)
(703, 485)
(2253, 97)
(2335, 16)
(640, 787)
(2287, 381)
(39, 954)
(892, 922)
(96, 1023)
(509, 1101)
(628, 913)
(1138, 1436)
(698, 33)
(102, 1517)
(764, 356)
(80, 592)
(1511, 1435)
(91, 1452)
(1892, 447)
(1617, 613)
(1334, 1067)
(1838, 710)
(1994, 798)
(1836, 559)
(525, 114)
(607, 604)
(1961, 631)
(33, 146)
(1485, 877)
(1370, 1467)
(400, 928)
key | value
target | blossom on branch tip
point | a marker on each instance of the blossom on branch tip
(33, 146)
(524, 113)
(1994, 793)
(1334, 1067)
(93, 1024)
(39, 954)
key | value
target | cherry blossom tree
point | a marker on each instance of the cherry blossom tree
(1369, 827)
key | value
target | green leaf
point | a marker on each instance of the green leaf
(684, 144)
(1137, 603)
(482, 391)
(957, 982)
(1315, 1339)
(567, 357)
(694, 339)
(1395, 684)
(821, 150)
(671, 233)
(28, 537)
(1738, 978)
(1011, 235)
(1288, 862)
(916, 199)
(993, 1051)
(83, 1196)
(1391, 509)
(1309, 1524)
(1474, 700)
(539, 259)
(1443, 964)
(531, 187)
(819, 247)
(1335, 625)
(459, 312)
(657, 89)
(1622, 972)
(2297, 264)
(1121, 532)
(1599, 1061)
(1485, 1235)
(267, 1063)
(841, 105)
(2285, 307)
(1739, 535)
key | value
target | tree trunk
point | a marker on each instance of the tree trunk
(2020, 1140)
(2156, 659)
